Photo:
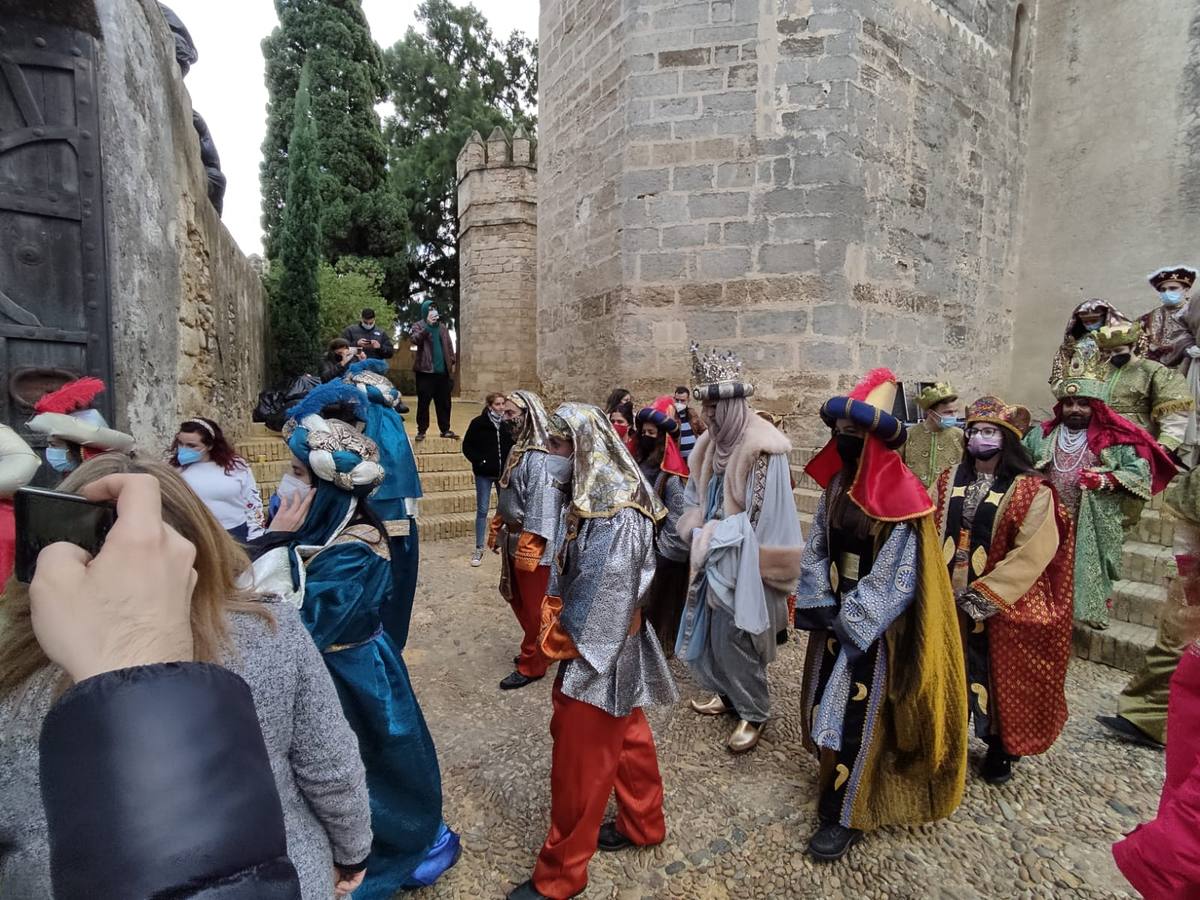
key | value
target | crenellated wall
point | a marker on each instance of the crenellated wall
(497, 251)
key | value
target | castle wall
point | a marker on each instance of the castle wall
(820, 186)
(497, 251)
(1113, 167)
(187, 307)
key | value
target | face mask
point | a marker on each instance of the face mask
(680, 406)
(621, 428)
(1120, 359)
(984, 446)
(513, 426)
(188, 455)
(647, 444)
(1171, 298)
(291, 486)
(560, 469)
(948, 420)
(59, 460)
(849, 448)
(1092, 326)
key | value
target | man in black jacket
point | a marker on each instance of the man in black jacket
(146, 729)
(376, 344)
(486, 445)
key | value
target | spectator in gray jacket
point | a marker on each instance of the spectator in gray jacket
(373, 342)
(313, 752)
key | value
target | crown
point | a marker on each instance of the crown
(996, 412)
(1086, 376)
(935, 394)
(716, 376)
(1122, 334)
(1185, 275)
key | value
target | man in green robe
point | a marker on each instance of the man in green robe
(936, 443)
(1096, 459)
(1145, 392)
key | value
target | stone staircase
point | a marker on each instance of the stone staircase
(1148, 565)
(446, 511)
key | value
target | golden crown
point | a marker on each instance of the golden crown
(713, 368)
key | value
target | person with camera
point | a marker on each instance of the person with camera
(372, 341)
(155, 774)
(434, 366)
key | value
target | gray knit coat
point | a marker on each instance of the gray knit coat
(313, 753)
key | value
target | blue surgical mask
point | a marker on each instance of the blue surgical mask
(951, 422)
(1093, 326)
(59, 459)
(1171, 298)
(188, 455)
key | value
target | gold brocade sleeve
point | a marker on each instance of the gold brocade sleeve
(1033, 549)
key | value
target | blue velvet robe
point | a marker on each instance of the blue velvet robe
(348, 599)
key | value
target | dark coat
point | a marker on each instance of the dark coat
(179, 743)
(486, 446)
(423, 361)
(355, 333)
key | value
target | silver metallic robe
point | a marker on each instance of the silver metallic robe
(603, 571)
(530, 502)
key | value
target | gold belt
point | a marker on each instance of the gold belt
(338, 648)
(846, 566)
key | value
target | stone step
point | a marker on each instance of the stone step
(1147, 563)
(434, 444)
(446, 526)
(446, 502)
(1156, 526)
(1122, 645)
(437, 482)
(442, 462)
(1138, 603)
(806, 499)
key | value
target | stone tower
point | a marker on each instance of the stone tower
(822, 186)
(497, 247)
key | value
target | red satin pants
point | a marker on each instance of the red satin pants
(528, 589)
(595, 753)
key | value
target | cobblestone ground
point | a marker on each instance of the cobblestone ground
(737, 825)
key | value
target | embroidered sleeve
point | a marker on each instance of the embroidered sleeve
(251, 502)
(758, 490)
(886, 591)
(813, 589)
(1033, 549)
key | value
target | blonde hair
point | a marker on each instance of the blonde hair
(219, 564)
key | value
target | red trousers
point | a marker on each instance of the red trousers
(528, 589)
(595, 753)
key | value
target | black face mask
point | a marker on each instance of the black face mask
(1120, 359)
(849, 448)
(513, 426)
(647, 444)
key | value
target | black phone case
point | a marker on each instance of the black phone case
(45, 517)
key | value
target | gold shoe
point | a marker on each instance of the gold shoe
(714, 706)
(745, 737)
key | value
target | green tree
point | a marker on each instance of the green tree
(360, 216)
(348, 288)
(295, 311)
(445, 81)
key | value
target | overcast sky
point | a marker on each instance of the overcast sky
(227, 83)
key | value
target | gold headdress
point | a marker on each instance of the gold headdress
(718, 377)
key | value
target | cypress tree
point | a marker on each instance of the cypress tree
(295, 303)
(332, 40)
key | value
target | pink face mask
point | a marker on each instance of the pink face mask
(984, 446)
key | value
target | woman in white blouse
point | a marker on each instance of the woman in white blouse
(221, 478)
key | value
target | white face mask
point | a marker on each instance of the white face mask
(291, 487)
(560, 468)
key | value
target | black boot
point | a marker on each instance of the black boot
(997, 765)
(526, 891)
(611, 839)
(516, 680)
(832, 842)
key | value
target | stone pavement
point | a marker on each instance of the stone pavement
(737, 825)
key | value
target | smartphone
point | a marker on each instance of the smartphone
(47, 517)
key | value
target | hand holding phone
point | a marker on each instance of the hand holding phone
(130, 603)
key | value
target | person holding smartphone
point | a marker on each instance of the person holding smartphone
(434, 366)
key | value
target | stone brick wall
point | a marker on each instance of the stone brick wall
(822, 186)
(497, 252)
(188, 311)
(1114, 167)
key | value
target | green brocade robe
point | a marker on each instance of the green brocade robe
(930, 453)
(1151, 395)
(1098, 520)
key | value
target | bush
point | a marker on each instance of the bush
(346, 289)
